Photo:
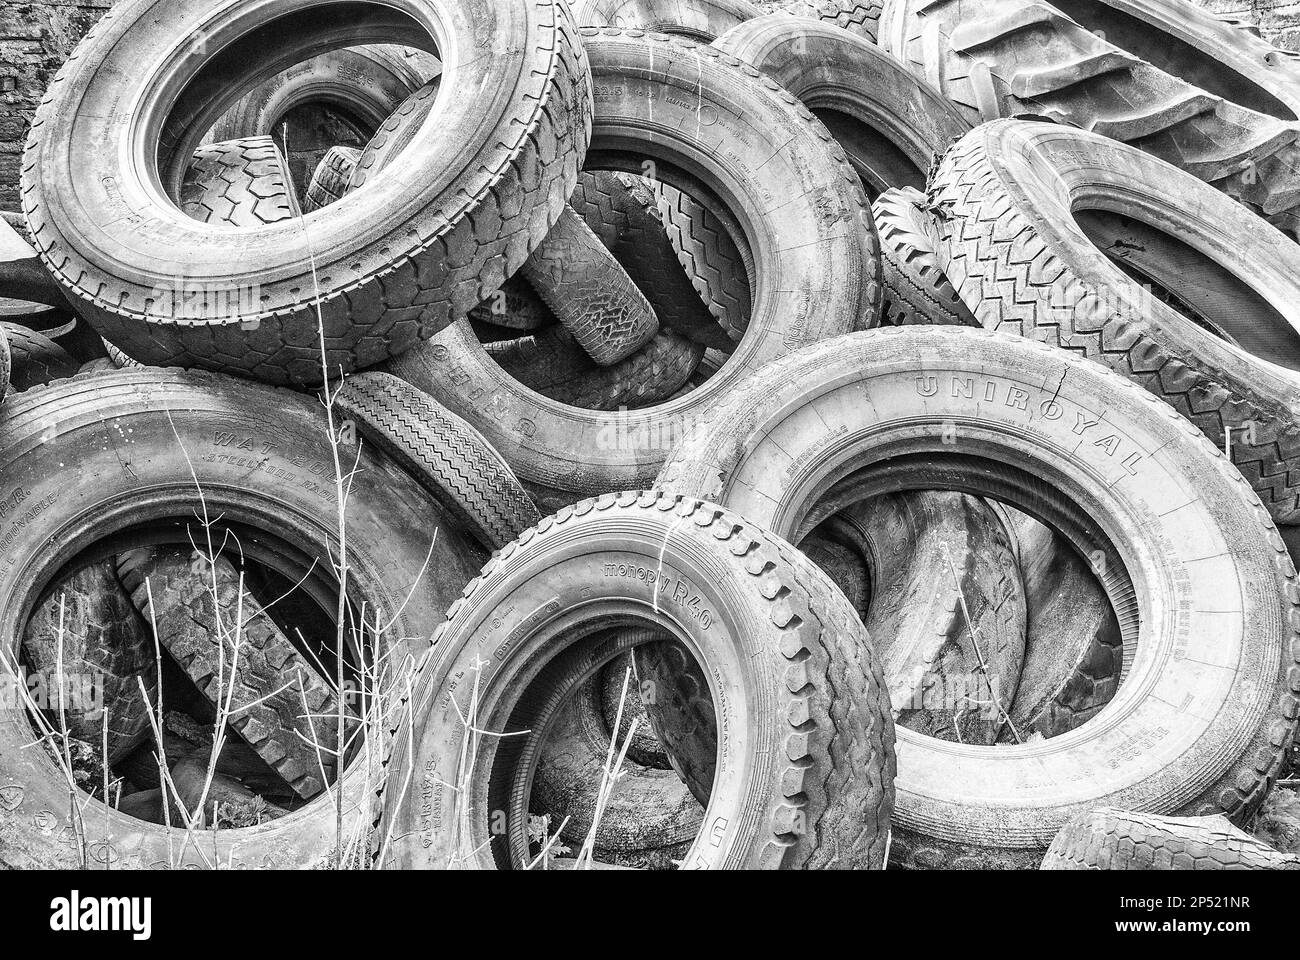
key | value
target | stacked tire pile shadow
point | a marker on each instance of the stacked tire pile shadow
(820, 434)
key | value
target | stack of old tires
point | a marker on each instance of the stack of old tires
(913, 388)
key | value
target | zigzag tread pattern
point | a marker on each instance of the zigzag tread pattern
(1010, 279)
(451, 459)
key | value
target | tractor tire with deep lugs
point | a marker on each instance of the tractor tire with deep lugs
(1016, 58)
(1120, 475)
(142, 441)
(384, 268)
(1062, 236)
(819, 275)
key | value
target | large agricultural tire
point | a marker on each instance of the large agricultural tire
(228, 645)
(623, 212)
(1015, 58)
(35, 358)
(1025, 216)
(651, 819)
(1110, 839)
(238, 183)
(1071, 444)
(366, 84)
(330, 179)
(916, 290)
(90, 615)
(386, 266)
(808, 785)
(819, 277)
(261, 460)
(1074, 656)
(890, 123)
(448, 456)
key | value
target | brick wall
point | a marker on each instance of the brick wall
(35, 38)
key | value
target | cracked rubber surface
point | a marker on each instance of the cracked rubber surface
(1110, 839)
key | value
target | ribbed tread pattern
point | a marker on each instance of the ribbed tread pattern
(450, 458)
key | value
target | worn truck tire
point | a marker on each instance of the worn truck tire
(820, 277)
(571, 271)
(35, 358)
(645, 748)
(1033, 247)
(890, 123)
(916, 290)
(807, 786)
(330, 179)
(589, 292)
(237, 183)
(384, 268)
(651, 819)
(714, 254)
(448, 456)
(1010, 58)
(699, 20)
(1111, 839)
(552, 363)
(261, 458)
(102, 635)
(947, 608)
(366, 84)
(515, 305)
(856, 16)
(1071, 444)
(193, 612)
(1074, 655)
(623, 212)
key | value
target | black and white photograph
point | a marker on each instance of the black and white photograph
(650, 436)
